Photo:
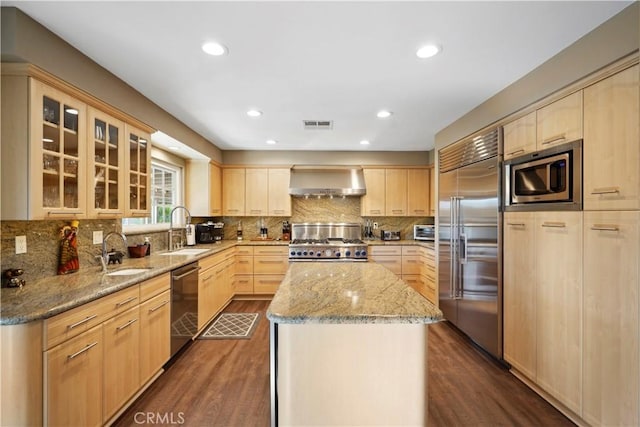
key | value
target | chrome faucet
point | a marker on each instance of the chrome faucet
(171, 248)
(105, 256)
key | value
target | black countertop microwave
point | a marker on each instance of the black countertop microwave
(550, 179)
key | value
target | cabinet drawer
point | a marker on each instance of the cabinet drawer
(215, 259)
(270, 265)
(243, 284)
(244, 265)
(152, 287)
(411, 265)
(385, 250)
(267, 284)
(271, 250)
(411, 250)
(244, 250)
(121, 301)
(393, 263)
(415, 281)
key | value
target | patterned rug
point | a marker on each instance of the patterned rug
(185, 326)
(232, 326)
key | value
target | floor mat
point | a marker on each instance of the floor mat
(232, 326)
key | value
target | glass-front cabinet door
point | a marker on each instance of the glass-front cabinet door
(138, 160)
(106, 165)
(58, 154)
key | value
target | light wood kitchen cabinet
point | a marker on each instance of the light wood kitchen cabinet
(519, 292)
(418, 194)
(74, 381)
(256, 192)
(559, 305)
(121, 360)
(373, 203)
(279, 203)
(203, 188)
(44, 151)
(520, 136)
(106, 163)
(389, 256)
(138, 163)
(396, 192)
(215, 287)
(611, 346)
(612, 142)
(155, 334)
(432, 191)
(559, 122)
(206, 296)
(233, 191)
(270, 264)
(243, 275)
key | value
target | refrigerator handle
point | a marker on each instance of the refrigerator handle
(463, 248)
(459, 258)
(453, 267)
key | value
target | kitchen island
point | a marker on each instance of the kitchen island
(348, 347)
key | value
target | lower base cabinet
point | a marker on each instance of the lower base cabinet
(73, 381)
(155, 342)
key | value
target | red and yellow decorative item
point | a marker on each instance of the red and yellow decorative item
(69, 262)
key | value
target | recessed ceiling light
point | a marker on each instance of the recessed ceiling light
(383, 114)
(214, 48)
(254, 113)
(272, 142)
(364, 142)
(427, 51)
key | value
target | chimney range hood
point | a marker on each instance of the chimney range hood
(327, 181)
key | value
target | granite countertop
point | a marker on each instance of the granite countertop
(52, 295)
(411, 242)
(347, 292)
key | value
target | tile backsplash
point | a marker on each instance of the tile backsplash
(41, 259)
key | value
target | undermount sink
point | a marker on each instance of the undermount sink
(128, 271)
(186, 251)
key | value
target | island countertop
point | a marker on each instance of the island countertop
(347, 292)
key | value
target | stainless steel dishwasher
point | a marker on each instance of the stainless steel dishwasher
(184, 305)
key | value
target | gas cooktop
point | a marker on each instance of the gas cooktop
(327, 242)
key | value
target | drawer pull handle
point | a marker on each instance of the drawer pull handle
(256, 211)
(127, 301)
(269, 252)
(605, 227)
(554, 224)
(79, 352)
(606, 190)
(375, 211)
(278, 211)
(271, 262)
(556, 138)
(111, 213)
(516, 224)
(126, 325)
(193, 270)
(162, 304)
(52, 213)
(513, 153)
(85, 320)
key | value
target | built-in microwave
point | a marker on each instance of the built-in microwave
(550, 179)
(424, 232)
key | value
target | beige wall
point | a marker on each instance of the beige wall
(327, 157)
(25, 40)
(609, 42)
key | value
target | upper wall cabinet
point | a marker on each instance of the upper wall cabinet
(256, 192)
(256, 188)
(373, 203)
(106, 166)
(67, 155)
(203, 188)
(418, 192)
(396, 192)
(233, 182)
(279, 202)
(612, 143)
(520, 136)
(560, 121)
(138, 163)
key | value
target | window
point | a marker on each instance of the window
(166, 193)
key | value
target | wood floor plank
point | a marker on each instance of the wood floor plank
(226, 383)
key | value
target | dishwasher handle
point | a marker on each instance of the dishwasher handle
(193, 270)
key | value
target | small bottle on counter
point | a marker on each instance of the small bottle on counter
(239, 232)
(263, 229)
(148, 244)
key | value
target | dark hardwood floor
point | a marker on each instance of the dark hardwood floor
(226, 383)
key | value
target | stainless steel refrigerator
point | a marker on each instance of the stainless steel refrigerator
(470, 238)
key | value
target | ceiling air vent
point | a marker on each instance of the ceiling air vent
(318, 124)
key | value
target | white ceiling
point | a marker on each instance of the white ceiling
(340, 61)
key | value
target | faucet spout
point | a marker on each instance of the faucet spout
(171, 248)
(105, 254)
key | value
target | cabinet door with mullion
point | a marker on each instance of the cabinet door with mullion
(58, 154)
(138, 163)
(106, 165)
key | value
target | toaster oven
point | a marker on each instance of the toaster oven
(424, 232)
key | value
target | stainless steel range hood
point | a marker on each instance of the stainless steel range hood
(327, 181)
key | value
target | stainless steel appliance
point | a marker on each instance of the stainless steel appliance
(184, 305)
(210, 232)
(330, 181)
(389, 235)
(469, 238)
(327, 242)
(425, 232)
(550, 179)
